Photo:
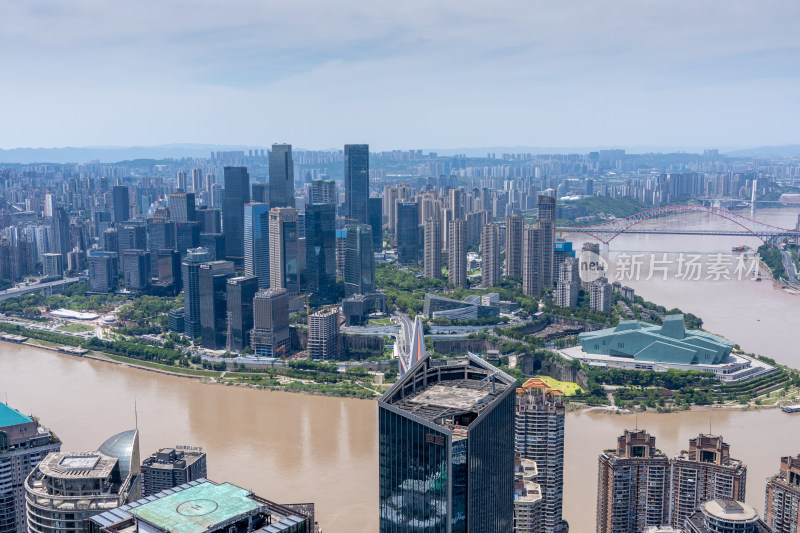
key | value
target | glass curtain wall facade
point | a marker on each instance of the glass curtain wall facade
(446, 438)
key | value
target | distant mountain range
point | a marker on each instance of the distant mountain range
(113, 154)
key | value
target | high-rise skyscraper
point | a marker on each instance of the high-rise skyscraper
(376, 221)
(136, 269)
(23, 443)
(103, 271)
(457, 253)
(121, 200)
(632, 485)
(539, 434)
(514, 226)
(281, 176)
(568, 284)
(182, 206)
(171, 467)
(259, 193)
(782, 499)
(705, 472)
(323, 334)
(87, 483)
(132, 235)
(197, 181)
(532, 260)
(214, 277)
(408, 233)
(323, 192)
(447, 449)
(321, 251)
(433, 248)
(270, 336)
(190, 274)
(181, 181)
(241, 291)
(490, 255)
(237, 193)
(283, 260)
(256, 242)
(60, 241)
(547, 222)
(359, 268)
(187, 236)
(356, 183)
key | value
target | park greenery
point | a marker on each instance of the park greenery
(773, 258)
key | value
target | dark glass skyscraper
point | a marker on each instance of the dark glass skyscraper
(237, 193)
(241, 291)
(256, 242)
(121, 200)
(356, 182)
(59, 233)
(446, 438)
(359, 263)
(376, 221)
(191, 290)
(214, 277)
(321, 251)
(182, 206)
(408, 232)
(281, 176)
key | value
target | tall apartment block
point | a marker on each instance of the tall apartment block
(514, 226)
(782, 499)
(359, 261)
(632, 485)
(568, 284)
(490, 255)
(356, 183)
(284, 270)
(323, 334)
(433, 248)
(532, 260)
(281, 176)
(170, 467)
(528, 512)
(23, 443)
(446, 449)
(705, 472)
(237, 193)
(66, 489)
(190, 275)
(539, 434)
(600, 295)
(270, 335)
(547, 222)
(457, 253)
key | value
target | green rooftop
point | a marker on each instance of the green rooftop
(198, 508)
(11, 417)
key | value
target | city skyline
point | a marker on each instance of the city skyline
(565, 75)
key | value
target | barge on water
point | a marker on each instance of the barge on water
(790, 408)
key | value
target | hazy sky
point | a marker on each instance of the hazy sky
(400, 74)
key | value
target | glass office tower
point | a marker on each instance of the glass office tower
(446, 438)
